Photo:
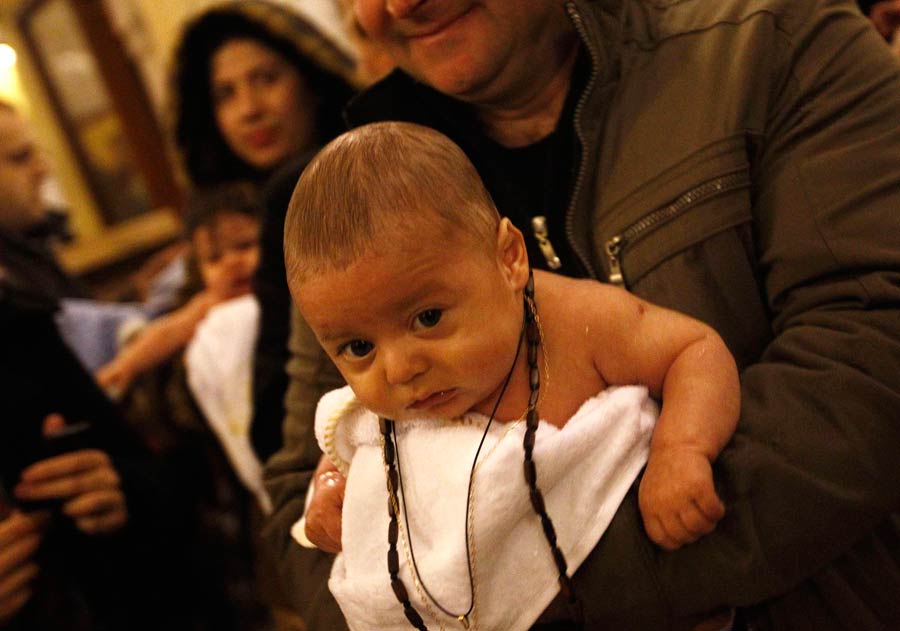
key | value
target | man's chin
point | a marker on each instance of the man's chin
(445, 75)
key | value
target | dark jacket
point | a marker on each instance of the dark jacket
(102, 582)
(738, 163)
(30, 262)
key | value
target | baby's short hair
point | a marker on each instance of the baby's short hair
(382, 182)
(207, 203)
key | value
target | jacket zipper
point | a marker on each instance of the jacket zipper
(539, 227)
(576, 19)
(617, 244)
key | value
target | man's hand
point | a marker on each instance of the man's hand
(20, 538)
(677, 498)
(85, 481)
(323, 517)
(886, 17)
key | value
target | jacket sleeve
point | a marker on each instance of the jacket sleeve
(812, 474)
(304, 572)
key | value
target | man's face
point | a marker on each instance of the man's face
(480, 51)
(22, 171)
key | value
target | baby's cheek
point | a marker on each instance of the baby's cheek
(208, 272)
(371, 396)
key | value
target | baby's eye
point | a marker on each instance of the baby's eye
(356, 348)
(429, 318)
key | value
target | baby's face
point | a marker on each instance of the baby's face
(425, 329)
(228, 253)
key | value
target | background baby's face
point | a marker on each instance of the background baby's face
(228, 253)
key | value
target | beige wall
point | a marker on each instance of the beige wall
(165, 18)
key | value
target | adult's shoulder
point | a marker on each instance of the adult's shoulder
(650, 22)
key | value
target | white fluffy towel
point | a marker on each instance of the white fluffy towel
(584, 471)
(219, 362)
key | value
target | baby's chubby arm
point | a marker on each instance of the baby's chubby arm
(687, 365)
(160, 340)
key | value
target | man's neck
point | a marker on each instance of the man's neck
(533, 115)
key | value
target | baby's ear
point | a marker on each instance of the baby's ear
(512, 254)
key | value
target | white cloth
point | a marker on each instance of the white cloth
(219, 362)
(584, 471)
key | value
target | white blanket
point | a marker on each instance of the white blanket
(219, 363)
(584, 471)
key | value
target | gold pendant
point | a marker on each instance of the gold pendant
(539, 226)
(465, 621)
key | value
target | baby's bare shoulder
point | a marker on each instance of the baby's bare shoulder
(575, 313)
(577, 298)
(572, 336)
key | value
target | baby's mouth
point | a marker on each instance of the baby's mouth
(433, 400)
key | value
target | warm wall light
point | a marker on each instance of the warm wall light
(7, 57)
(10, 87)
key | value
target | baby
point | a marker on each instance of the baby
(223, 225)
(421, 294)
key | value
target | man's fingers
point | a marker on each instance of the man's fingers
(53, 424)
(19, 524)
(323, 517)
(64, 465)
(94, 503)
(18, 579)
(885, 16)
(78, 473)
(331, 484)
(321, 539)
(18, 552)
(323, 531)
(104, 523)
(10, 606)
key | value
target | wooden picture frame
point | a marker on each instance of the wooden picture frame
(102, 106)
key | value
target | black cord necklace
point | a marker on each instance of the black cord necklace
(531, 334)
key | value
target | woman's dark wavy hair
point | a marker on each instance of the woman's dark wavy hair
(207, 158)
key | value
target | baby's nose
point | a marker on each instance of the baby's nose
(402, 366)
(399, 9)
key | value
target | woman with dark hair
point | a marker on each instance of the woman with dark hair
(257, 89)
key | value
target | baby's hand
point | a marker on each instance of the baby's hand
(677, 499)
(115, 378)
